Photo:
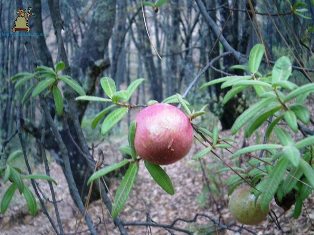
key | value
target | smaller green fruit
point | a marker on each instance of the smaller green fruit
(244, 207)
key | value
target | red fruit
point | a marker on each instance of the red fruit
(164, 134)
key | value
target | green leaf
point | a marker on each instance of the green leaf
(232, 93)
(247, 83)
(235, 80)
(255, 148)
(184, 105)
(249, 113)
(292, 154)
(202, 153)
(148, 4)
(215, 135)
(92, 98)
(173, 100)
(282, 69)
(14, 155)
(102, 172)
(301, 112)
(42, 85)
(291, 120)
(240, 67)
(30, 201)
(16, 178)
(259, 119)
(46, 69)
(308, 171)
(7, 197)
(220, 80)
(40, 177)
(283, 136)
(112, 119)
(120, 95)
(305, 142)
(73, 84)
(23, 80)
(305, 89)
(271, 183)
(272, 126)
(57, 96)
(255, 57)
(124, 189)
(22, 75)
(108, 85)
(101, 115)
(285, 84)
(160, 177)
(27, 94)
(127, 150)
(133, 86)
(7, 174)
(60, 66)
(159, 3)
(151, 102)
(131, 137)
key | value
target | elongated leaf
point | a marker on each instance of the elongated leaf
(40, 177)
(258, 120)
(282, 69)
(124, 189)
(305, 142)
(119, 95)
(173, 100)
(235, 80)
(215, 135)
(159, 3)
(240, 67)
(112, 119)
(127, 150)
(108, 85)
(291, 120)
(131, 137)
(22, 75)
(292, 154)
(46, 69)
(92, 98)
(232, 93)
(202, 153)
(220, 80)
(184, 105)
(249, 113)
(285, 84)
(60, 66)
(14, 155)
(292, 179)
(73, 84)
(255, 57)
(160, 177)
(305, 89)
(308, 171)
(42, 85)
(16, 178)
(7, 197)
(148, 4)
(30, 201)
(283, 136)
(101, 115)
(255, 148)
(57, 96)
(23, 80)
(102, 172)
(301, 112)
(271, 183)
(27, 94)
(272, 126)
(133, 86)
(247, 83)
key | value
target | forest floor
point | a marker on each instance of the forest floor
(148, 202)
